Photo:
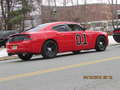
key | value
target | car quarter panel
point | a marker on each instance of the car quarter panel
(97, 34)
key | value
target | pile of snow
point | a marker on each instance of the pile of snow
(3, 53)
(111, 40)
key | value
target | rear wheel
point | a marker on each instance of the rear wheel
(101, 43)
(49, 49)
(25, 56)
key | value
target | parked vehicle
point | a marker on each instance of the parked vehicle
(116, 35)
(51, 38)
(4, 36)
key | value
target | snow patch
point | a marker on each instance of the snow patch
(3, 53)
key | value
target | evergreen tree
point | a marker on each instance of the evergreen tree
(12, 16)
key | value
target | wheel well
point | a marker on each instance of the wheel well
(101, 36)
(51, 40)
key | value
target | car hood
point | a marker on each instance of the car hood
(97, 32)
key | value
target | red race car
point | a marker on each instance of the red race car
(51, 38)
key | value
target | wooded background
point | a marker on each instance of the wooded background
(25, 14)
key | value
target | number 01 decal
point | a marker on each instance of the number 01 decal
(79, 40)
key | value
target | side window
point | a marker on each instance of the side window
(75, 27)
(61, 28)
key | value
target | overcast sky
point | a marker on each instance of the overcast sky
(60, 2)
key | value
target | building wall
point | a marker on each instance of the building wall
(93, 12)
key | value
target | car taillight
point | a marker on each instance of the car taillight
(17, 38)
(116, 31)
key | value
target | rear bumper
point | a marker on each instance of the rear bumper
(20, 47)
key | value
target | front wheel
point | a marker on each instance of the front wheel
(49, 49)
(25, 56)
(101, 43)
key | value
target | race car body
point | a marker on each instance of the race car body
(51, 38)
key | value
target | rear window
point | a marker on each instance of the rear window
(18, 38)
(38, 28)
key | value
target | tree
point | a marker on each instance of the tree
(19, 15)
(39, 6)
(12, 16)
(114, 8)
(6, 6)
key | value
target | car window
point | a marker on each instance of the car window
(38, 28)
(62, 28)
(75, 27)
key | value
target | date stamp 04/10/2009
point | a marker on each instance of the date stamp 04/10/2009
(97, 77)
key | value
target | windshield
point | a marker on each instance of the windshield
(38, 28)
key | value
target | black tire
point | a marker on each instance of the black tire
(101, 43)
(117, 38)
(76, 52)
(49, 49)
(25, 56)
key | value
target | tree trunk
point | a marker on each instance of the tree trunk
(9, 26)
(3, 14)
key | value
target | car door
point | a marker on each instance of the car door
(64, 37)
(88, 38)
(81, 38)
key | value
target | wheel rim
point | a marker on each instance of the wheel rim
(51, 49)
(101, 44)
